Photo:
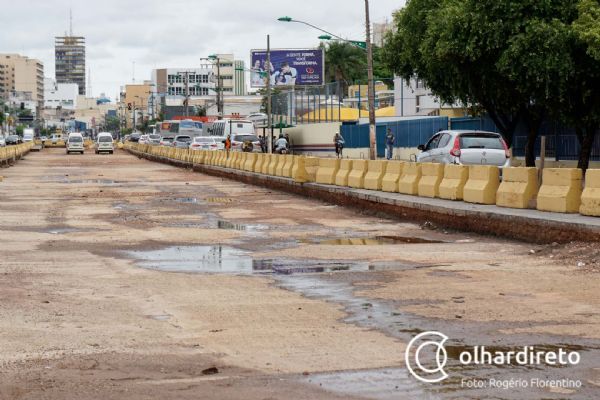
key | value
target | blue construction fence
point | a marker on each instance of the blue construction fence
(561, 142)
(408, 133)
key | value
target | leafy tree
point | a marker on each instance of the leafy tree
(511, 57)
(112, 124)
(344, 63)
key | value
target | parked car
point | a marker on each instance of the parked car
(2, 141)
(245, 142)
(182, 141)
(13, 140)
(144, 139)
(75, 143)
(43, 138)
(135, 137)
(205, 143)
(466, 148)
(104, 143)
(166, 141)
(154, 139)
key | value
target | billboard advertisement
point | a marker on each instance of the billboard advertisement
(289, 67)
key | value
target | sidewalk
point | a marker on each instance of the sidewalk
(528, 225)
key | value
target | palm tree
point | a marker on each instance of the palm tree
(344, 63)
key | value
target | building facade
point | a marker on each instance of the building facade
(69, 53)
(22, 74)
(181, 81)
(63, 95)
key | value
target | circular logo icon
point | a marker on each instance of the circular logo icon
(426, 357)
(310, 70)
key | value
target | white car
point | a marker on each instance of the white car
(28, 135)
(245, 142)
(144, 139)
(2, 141)
(75, 143)
(205, 143)
(466, 148)
(104, 143)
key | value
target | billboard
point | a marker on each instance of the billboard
(289, 67)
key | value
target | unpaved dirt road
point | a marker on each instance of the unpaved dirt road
(126, 279)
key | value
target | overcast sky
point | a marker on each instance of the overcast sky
(172, 33)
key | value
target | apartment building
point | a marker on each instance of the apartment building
(22, 74)
(69, 57)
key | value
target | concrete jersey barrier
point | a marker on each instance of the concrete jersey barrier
(356, 179)
(393, 172)
(454, 181)
(409, 181)
(590, 198)
(518, 188)
(560, 190)
(482, 185)
(375, 173)
(431, 177)
(328, 169)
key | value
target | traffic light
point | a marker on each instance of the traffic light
(129, 106)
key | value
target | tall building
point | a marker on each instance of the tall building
(175, 81)
(379, 32)
(240, 78)
(22, 74)
(69, 54)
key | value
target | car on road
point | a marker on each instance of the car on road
(2, 141)
(43, 138)
(166, 141)
(135, 137)
(245, 142)
(104, 143)
(154, 139)
(205, 143)
(13, 140)
(144, 139)
(464, 147)
(28, 135)
(182, 141)
(75, 143)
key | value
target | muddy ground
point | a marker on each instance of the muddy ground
(126, 279)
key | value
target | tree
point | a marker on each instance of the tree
(112, 124)
(344, 63)
(511, 57)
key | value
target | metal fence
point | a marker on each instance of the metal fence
(407, 133)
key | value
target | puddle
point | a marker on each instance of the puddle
(160, 317)
(222, 224)
(224, 259)
(61, 231)
(92, 181)
(383, 384)
(373, 241)
(187, 200)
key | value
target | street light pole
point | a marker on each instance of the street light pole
(268, 82)
(371, 88)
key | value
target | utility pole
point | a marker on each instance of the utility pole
(371, 88)
(268, 82)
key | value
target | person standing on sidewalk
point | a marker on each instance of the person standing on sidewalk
(389, 144)
(228, 144)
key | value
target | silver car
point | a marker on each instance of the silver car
(466, 148)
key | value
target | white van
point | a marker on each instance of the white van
(75, 143)
(221, 128)
(104, 142)
(28, 135)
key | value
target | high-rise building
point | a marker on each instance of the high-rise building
(240, 78)
(22, 74)
(70, 60)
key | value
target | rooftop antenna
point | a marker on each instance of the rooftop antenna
(89, 94)
(70, 22)
(134, 72)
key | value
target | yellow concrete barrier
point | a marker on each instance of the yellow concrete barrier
(375, 172)
(260, 159)
(281, 164)
(431, 177)
(393, 172)
(327, 171)
(518, 188)
(299, 173)
(590, 198)
(230, 159)
(409, 181)
(482, 185)
(341, 178)
(288, 166)
(356, 179)
(311, 165)
(561, 190)
(264, 169)
(250, 162)
(453, 184)
(242, 160)
(273, 164)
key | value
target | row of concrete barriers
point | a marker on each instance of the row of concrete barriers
(562, 189)
(10, 154)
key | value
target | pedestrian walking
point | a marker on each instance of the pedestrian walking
(389, 144)
(228, 145)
